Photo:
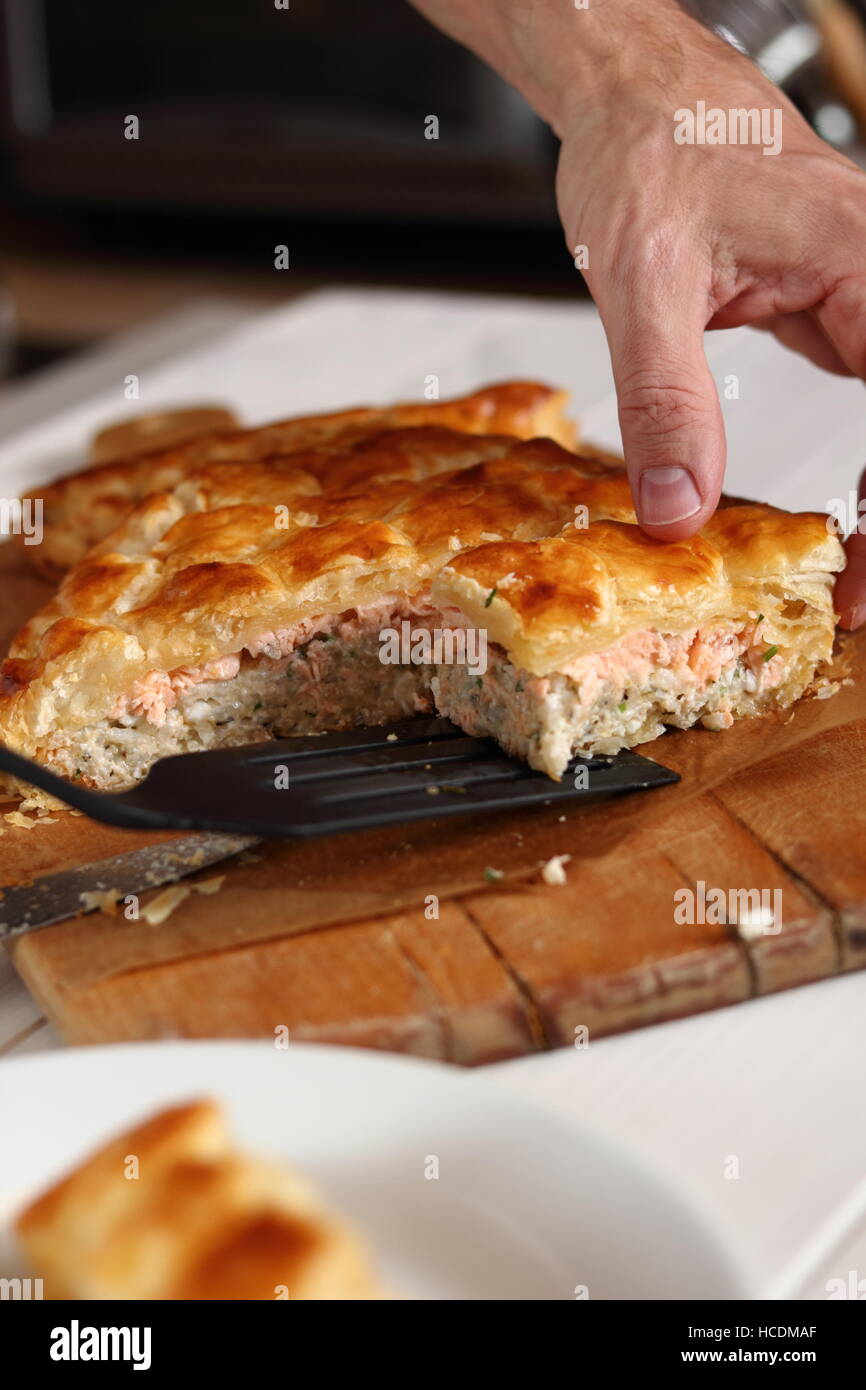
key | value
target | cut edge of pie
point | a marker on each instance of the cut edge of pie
(600, 639)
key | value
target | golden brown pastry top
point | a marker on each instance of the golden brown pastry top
(554, 600)
(82, 508)
(201, 571)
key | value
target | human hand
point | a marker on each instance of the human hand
(683, 237)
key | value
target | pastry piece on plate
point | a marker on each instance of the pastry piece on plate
(170, 1210)
(598, 638)
(218, 613)
(82, 508)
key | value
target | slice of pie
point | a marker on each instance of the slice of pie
(598, 638)
(244, 603)
(81, 508)
(171, 1210)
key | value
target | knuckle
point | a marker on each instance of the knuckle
(657, 408)
(844, 317)
(649, 255)
(847, 198)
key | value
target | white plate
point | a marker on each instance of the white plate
(524, 1207)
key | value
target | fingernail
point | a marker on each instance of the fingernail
(667, 495)
(855, 617)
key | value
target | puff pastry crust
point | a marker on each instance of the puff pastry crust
(198, 573)
(83, 507)
(245, 599)
(552, 601)
(198, 1221)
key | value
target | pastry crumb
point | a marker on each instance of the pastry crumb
(553, 872)
(165, 903)
(210, 885)
(753, 925)
(23, 822)
(97, 900)
(171, 898)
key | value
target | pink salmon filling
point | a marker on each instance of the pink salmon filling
(698, 656)
(157, 693)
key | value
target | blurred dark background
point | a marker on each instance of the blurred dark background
(303, 126)
(257, 127)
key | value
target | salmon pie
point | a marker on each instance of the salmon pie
(246, 597)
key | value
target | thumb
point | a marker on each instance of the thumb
(669, 413)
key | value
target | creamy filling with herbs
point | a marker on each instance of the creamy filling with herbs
(319, 675)
(154, 696)
(617, 698)
(326, 673)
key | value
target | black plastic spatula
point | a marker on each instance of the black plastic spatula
(293, 788)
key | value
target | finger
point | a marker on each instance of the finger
(850, 594)
(670, 418)
(803, 335)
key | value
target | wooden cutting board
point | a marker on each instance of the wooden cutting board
(397, 939)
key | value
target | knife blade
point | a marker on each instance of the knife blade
(29, 906)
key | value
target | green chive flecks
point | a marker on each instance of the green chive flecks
(493, 875)
(771, 651)
(622, 706)
(490, 597)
